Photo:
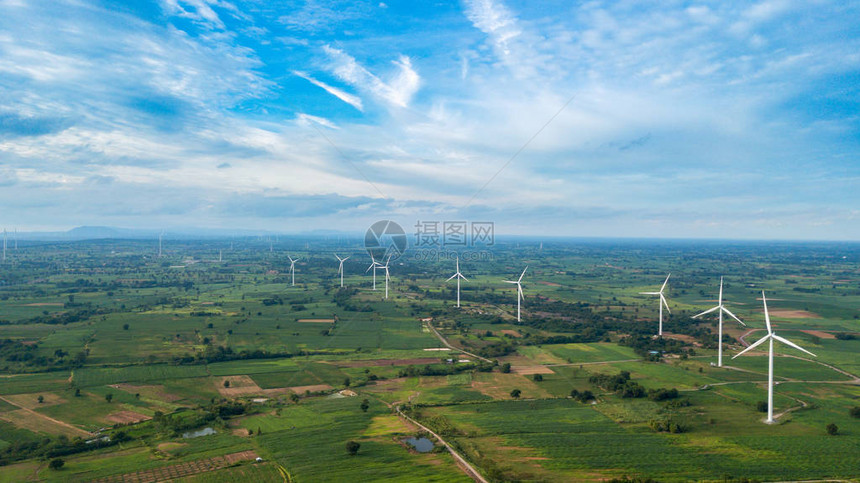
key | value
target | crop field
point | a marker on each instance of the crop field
(123, 364)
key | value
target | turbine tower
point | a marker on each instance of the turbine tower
(293, 270)
(661, 303)
(458, 276)
(387, 277)
(340, 268)
(720, 308)
(520, 295)
(160, 236)
(373, 264)
(771, 336)
(220, 255)
(4, 244)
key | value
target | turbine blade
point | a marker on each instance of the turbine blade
(664, 283)
(706, 312)
(757, 343)
(520, 291)
(663, 299)
(733, 316)
(792, 344)
(766, 314)
(649, 293)
(509, 281)
(452, 276)
(464, 278)
(523, 274)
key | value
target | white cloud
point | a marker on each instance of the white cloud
(399, 90)
(495, 20)
(346, 97)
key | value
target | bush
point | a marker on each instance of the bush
(855, 412)
(506, 368)
(761, 406)
(832, 429)
(516, 393)
(537, 377)
(56, 463)
(352, 447)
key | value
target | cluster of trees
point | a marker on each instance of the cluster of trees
(444, 369)
(583, 396)
(644, 345)
(666, 426)
(623, 386)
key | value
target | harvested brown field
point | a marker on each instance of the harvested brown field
(43, 304)
(126, 417)
(820, 334)
(511, 333)
(181, 470)
(315, 321)
(682, 337)
(39, 423)
(794, 314)
(31, 400)
(529, 370)
(297, 389)
(551, 284)
(239, 386)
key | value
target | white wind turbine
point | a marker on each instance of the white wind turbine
(661, 303)
(520, 295)
(771, 337)
(458, 276)
(4, 244)
(720, 308)
(374, 265)
(387, 277)
(340, 268)
(293, 269)
(160, 237)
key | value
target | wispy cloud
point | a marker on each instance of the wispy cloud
(398, 90)
(346, 97)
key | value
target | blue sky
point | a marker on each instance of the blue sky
(668, 119)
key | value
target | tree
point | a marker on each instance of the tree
(352, 447)
(855, 412)
(56, 464)
(761, 406)
(346, 382)
(108, 397)
(365, 405)
(537, 377)
(226, 383)
(294, 398)
(832, 429)
(77, 392)
(506, 368)
(516, 393)
(124, 326)
(41, 399)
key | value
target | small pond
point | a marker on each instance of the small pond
(421, 445)
(198, 433)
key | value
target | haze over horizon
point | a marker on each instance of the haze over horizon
(677, 119)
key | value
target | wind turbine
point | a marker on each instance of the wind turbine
(293, 269)
(520, 295)
(220, 255)
(340, 268)
(373, 264)
(661, 303)
(4, 244)
(458, 276)
(720, 308)
(160, 236)
(387, 277)
(770, 337)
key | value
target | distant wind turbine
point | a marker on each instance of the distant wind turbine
(373, 265)
(4, 244)
(771, 336)
(520, 295)
(661, 303)
(340, 268)
(160, 237)
(293, 269)
(458, 276)
(720, 308)
(220, 257)
(387, 276)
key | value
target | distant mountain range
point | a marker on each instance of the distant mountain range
(109, 232)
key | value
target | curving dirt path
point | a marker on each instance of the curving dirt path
(448, 345)
(461, 462)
